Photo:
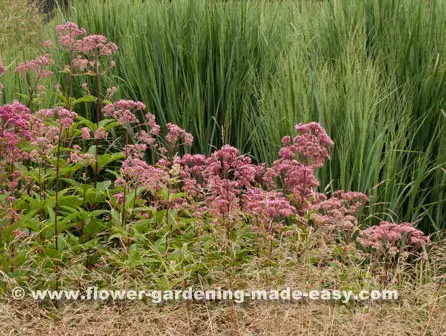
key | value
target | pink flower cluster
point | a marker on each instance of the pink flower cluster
(149, 138)
(310, 146)
(15, 126)
(37, 66)
(337, 213)
(138, 173)
(124, 111)
(68, 33)
(87, 48)
(227, 174)
(95, 44)
(176, 134)
(85, 159)
(393, 238)
(79, 64)
(268, 210)
(190, 169)
(100, 133)
(63, 117)
(299, 159)
(85, 133)
(222, 181)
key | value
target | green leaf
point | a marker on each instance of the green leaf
(106, 159)
(60, 96)
(84, 99)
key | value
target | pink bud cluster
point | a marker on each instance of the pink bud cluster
(393, 238)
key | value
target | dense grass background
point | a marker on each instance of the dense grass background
(244, 72)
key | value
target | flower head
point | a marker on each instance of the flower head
(393, 238)
(68, 34)
(124, 111)
(85, 133)
(176, 134)
(37, 66)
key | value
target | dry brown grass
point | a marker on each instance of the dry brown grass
(421, 309)
(421, 312)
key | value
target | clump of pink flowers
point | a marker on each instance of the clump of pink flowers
(300, 157)
(15, 126)
(177, 134)
(124, 111)
(95, 44)
(268, 210)
(37, 66)
(392, 238)
(68, 34)
(137, 173)
(338, 214)
(310, 147)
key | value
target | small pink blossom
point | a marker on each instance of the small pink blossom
(85, 133)
(48, 44)
(100, 133)
(37, 66)
(124, 111)
(85, 159)
(175, 134)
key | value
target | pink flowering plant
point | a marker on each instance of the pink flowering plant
(117, 192)
(388, 243)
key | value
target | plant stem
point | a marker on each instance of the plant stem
(125, 187)
(56, 209)
(167, 219)
(98, 116)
